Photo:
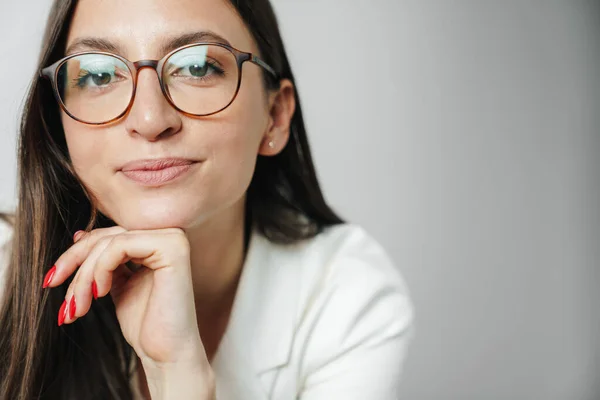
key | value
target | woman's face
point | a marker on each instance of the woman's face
(224, 146)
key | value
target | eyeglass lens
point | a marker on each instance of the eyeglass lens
(200, 80)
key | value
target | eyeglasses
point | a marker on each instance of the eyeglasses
(197, 79)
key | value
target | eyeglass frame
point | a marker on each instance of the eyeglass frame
(51, 72)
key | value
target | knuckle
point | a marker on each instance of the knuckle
(113, 230)
(93, 234)
(121, 238)
(104, 241)
(98, 234)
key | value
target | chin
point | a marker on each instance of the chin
(155, 217)
(134, 222)
(185, 211)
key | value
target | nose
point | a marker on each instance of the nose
(151, 116)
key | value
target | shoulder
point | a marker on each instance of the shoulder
(351, 290)
(346, 258)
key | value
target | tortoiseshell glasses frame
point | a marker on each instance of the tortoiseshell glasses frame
(51, 72)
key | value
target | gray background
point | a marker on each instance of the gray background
(464, 136)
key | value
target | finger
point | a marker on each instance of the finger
(79, 293)
(68, 262)
(156, 250)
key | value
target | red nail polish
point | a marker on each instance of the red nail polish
(62, 313)
(94, 290)
(72, 307)
(48, 277)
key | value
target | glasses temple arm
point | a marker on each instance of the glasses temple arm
(266, 66)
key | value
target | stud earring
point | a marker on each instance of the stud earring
(271, 144)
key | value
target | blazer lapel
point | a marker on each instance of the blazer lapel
(261, 327)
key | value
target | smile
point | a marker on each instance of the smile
(158, 176)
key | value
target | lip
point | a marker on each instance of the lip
(157, 171)
(155, 164)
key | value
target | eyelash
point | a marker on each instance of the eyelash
(84, 75)
(219, 71)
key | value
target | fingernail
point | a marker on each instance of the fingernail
(48, 277)
(94, 290)
(62, 313)
(78, 235)
(72, 307)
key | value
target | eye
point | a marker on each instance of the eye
(198, 70)
(95, 71)
(102, 78)
(88, 79)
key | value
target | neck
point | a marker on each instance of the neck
(217, 257)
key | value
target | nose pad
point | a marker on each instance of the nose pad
(151, 115)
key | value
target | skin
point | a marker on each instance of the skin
(187, 235)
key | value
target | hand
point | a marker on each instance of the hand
(154, 305)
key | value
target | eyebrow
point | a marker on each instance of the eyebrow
(169, 44)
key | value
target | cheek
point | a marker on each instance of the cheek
(236, 140)
(86, 149)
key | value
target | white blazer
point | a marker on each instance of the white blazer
(327, 318)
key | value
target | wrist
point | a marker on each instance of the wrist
(180, 382)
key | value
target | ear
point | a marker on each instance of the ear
(282, 104)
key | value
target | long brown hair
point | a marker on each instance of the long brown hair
(91, 356)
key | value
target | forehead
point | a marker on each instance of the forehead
(139, 27)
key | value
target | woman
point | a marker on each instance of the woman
(171, 240)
